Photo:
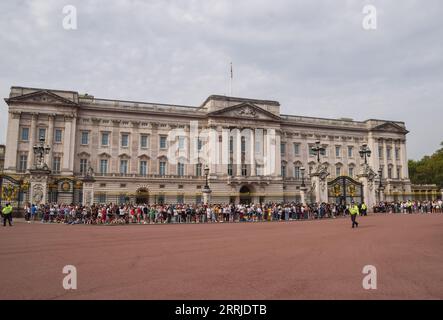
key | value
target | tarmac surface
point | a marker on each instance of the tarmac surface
(294, 260)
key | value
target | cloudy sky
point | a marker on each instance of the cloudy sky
(312, 56)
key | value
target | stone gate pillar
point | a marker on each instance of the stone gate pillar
(39, 186)
(88, 191)
(206, 195)
(303, 191)
(319, 185)
(367, 177)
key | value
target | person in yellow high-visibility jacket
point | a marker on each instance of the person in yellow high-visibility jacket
(364, 209)
(353, 209)
(7, 215)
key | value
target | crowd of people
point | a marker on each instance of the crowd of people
(214, 213)
(410, 206)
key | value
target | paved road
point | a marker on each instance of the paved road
(295, 260)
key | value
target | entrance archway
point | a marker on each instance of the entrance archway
(245, 195)
(142, 196)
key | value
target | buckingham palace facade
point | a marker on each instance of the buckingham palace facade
(127, 151)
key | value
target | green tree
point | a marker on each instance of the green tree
(428, 170)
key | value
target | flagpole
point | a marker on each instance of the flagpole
(230, 82)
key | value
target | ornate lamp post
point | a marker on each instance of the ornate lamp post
(380, 184)
(206, 175)
(302, 172)
(318, 149)
(365, 152)
(206, 190)
(40, 150)
(303, 186)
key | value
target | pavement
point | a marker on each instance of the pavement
(285, 260)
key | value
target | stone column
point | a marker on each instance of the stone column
(404, 160)
(67, 144)
(385, 160)
(50, 138)
(237, 155)
(32, 139)
(12, 142)
(252, 153)
(277, 153)
(394, 160)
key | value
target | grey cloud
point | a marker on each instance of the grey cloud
(312, 56)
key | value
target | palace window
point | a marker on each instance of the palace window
(199, 144)
(105, 139)
(389, 172)
(85, 138)
(143, 167)
(230, 169)
(283, 170)
(181, 143)
(283, 148)
(198, 169)
(83, 166)
(388, 153)
(338, 151)
(56, 164)
(351, 172)
(231, 144)
(350, 151)
(104, 166)
(162, 168)
(25, 134)
(380, 152)
(125, 140)
(58, 135)
(398, 173)
(144, 141)
(338, 171)
(296, 149)
(180, 198)
(244, 170)
(23, 163)
(297, 172)
(123, 166)
(243, 144)
(180, 169)
(163, 144)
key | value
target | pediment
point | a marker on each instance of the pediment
(42, 97)
(245, 110)
(390, 127)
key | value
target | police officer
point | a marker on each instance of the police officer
(364, 209)
(353, 210)
(7, 215)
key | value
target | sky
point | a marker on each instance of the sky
(313, 56)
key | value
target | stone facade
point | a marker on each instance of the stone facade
(252, 150)
(2, 157)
